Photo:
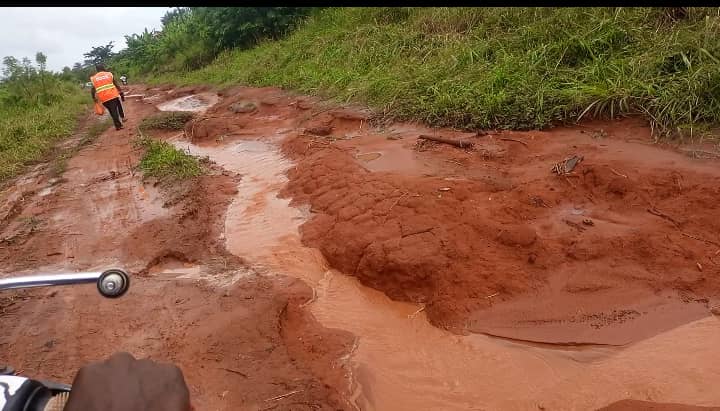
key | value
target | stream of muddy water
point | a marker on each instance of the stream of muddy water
(401, 362)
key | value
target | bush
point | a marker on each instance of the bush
(36, 109)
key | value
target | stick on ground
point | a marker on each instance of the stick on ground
(512, 139)
(283, 396)
(456, 143)
(617, 174)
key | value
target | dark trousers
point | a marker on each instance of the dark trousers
(114, 106)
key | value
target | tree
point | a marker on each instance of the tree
(99, 54)
(11, 67)
(26, 84)
(229, 27)
(67, 74)
(174, 14)
(41, 60)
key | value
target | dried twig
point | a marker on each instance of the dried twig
(234, 371)
(617, 174)
(492, 295)
(456, 143)
(660, 214)
(455, 162)
(279, 397)
(702, 239)
(395, 203)
(512, 139)
(418, 311)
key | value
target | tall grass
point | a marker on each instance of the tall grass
(27, 132)
(496, 67)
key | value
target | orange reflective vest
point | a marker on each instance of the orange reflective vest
(104, 88)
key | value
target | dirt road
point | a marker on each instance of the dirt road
(350, 265)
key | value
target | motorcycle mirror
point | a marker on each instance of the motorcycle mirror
(113, 283)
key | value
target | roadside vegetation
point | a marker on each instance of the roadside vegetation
(37, 108)
(165, 162)
(514, 68)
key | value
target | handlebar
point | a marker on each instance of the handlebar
(21, 393)
(111, 283)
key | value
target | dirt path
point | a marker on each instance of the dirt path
(238, 346)
(343, 260)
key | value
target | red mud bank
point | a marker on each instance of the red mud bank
(493, 225)
(489, 238)
(482, 235)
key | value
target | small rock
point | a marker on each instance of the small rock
(444, 189)
(304, 105)
(53, 181)
(715, 310)
(320, 130)
(588, 221)
(243, 107)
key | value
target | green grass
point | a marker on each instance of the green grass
(27, 134)
(172, 120)
(495, 67)
(163, 161)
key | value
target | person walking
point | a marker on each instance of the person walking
(106, 90)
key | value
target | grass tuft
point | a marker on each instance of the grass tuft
(163, 161)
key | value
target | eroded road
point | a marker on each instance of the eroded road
(342, 263)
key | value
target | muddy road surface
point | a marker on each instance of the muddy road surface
(329, 261)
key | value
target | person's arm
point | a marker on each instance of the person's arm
(122, 95)
(117, 86)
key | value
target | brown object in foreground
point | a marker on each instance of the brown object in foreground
(456, 143)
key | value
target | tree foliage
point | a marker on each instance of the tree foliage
(27, 83)
(99, 54)
(193, 36)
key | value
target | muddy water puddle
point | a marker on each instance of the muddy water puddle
(403, 363)
(194, 102)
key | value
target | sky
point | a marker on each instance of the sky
(64, 34)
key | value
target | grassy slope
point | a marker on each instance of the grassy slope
(26, 135)
(490, 67)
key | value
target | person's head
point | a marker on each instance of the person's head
(100, 67)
